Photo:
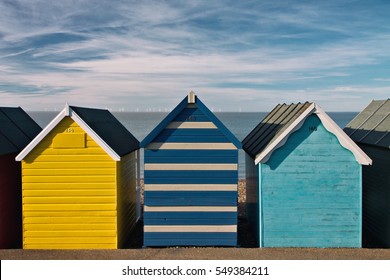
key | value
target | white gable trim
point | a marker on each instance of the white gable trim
(343, 138)
(329, 125)
(67, 112)
(281, 140)
(41, 135)
(95, 136)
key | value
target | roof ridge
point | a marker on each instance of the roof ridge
(15, 124)
(259, 125)
(369, 117)
(385, 117)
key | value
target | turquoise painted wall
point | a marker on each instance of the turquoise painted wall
(311, 192)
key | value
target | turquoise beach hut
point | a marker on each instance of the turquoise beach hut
(304, 180)
(191, 178)
(371, 131)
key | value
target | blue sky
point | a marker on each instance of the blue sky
(235, 55)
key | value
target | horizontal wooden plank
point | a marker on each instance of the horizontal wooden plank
(68, 186)
(69, 193)
(191, 114)
(191, 139)
(69, 220)
(190, 235)
(191, 180)
(69, 200)
(191, 156)
(190, 125)
(70, 246)
(84, 226)
(69, 165)
(69, 214)
(191, 136)
(208, 228)
(69, 240)
(191, 146)
(69, 207)
(182, 209)
(190, 187)
(176, 221)
(68, 179)
(313, 242)
(191, 174)
(69, 140)
(313, 234)
(191, 132)
(189, 242)
(68, 158)
(187, 196)
(70, 233)
(212, 216)
(190, 166)
(69, 172)
(190, 153)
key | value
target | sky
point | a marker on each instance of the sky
(235, 55)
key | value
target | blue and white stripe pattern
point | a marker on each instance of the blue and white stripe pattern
(191, 175)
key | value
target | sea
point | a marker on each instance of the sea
(239, 123)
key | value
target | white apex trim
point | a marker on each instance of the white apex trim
(67, 112)
(343, 138)
(191, 97)
(95, 136)
(281, 140)
(329, 125)
(67, 109)
(41, 135)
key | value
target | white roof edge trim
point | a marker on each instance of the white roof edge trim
(41, 135)
(67, 112)
(343, 138)
(329, 125)
(282, 139)
(95, 136)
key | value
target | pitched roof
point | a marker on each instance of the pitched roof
(273, 131)
(17, 129)
(99, 124)
(372, 125)
(190, 99)
(277, 121)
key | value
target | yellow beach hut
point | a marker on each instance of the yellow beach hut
(79, 182)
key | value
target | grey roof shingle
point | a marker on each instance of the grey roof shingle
(372, 125)
(268, 130)
(17, 130)
(109, 129)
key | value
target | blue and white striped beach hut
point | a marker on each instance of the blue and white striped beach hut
(191, 178)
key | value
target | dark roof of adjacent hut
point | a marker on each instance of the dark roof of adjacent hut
(99, 124)
(273, 125)
(109, 129)
(17, 129)
(372, 125)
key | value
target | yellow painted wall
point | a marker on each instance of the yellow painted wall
(69, 194)
(127, 197)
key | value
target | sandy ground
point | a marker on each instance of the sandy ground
(245, 251)
(200, 254)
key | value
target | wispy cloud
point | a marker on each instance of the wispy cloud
(139, 54)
